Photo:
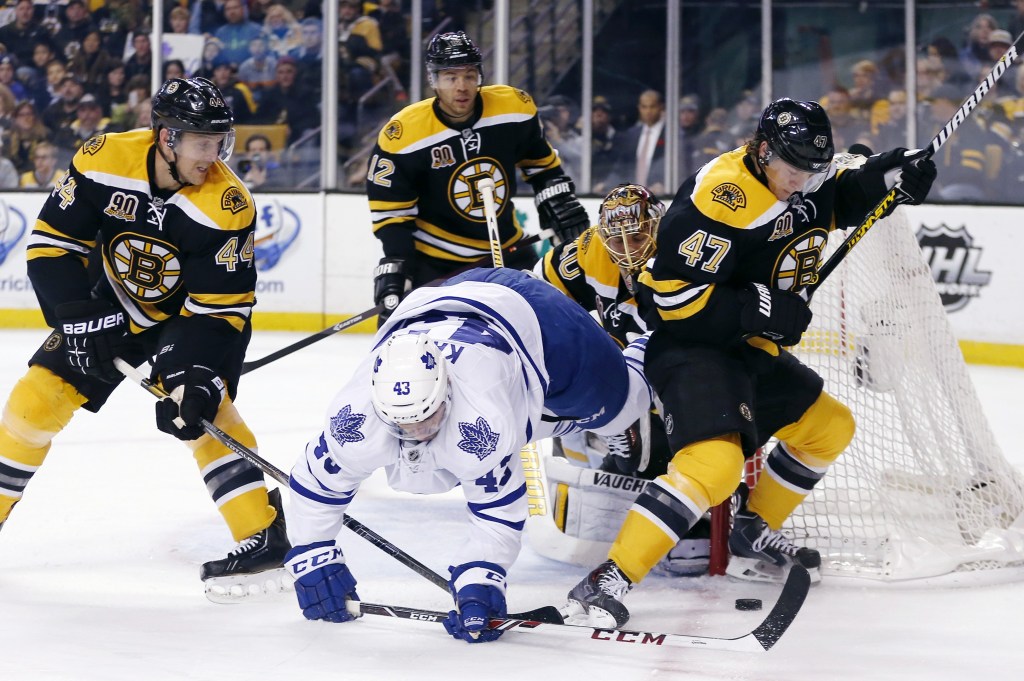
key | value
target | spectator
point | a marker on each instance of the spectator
(257, 10)
(359, 45)
(20, 35)
(61, 112)
(974, 53)
(76, 25)
(1016, 23)
(206, 16)
(48, 90)
(178, 19)
(281, 30)
(690, 127)
(288, 102)
(258, 165)
(743, 117)
(309, 55)
(236, 94)
(559, 119)
(174, 68)
(946, 62)
(141, 62)
(42, 54)
(892, 132)
(116, 19)
(394, 35)
(9, 178)
(714, 140)
(865, 90)
(113, 96)
(602, 139)
(88, 123)
(930, 75)
(44, 171)
(641, 148)
(211, 51)
(26, 132)
(7, 104)
(236, 33)
(258, 71)
(998, 43)
(8, 65)
(91, 63)
(965, 161)
(846, 129)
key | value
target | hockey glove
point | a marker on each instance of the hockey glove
(560, 210)
(915, 181)
(323, 583)
(391, 281)
(195, 394)
(476, 604)
(773, 313)
(94, 333)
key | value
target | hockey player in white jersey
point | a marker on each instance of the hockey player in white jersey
(461, 377)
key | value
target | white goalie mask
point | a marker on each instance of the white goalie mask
(628, 225)
(409, 387)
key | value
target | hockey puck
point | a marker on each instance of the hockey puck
(748, 603)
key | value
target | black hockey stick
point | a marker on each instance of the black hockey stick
(885, 205)
(527, 240)
(548, 614)
(760, 639)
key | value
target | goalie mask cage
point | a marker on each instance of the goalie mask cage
(923, 491)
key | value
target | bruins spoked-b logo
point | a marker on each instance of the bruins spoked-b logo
(148, 269)
(463, 194)
(797, 264)
(954, 260)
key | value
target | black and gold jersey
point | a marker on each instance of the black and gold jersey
(583, 270)
(726, 229)
(182, 254)
(422, 175)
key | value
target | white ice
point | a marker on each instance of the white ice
(99, 570)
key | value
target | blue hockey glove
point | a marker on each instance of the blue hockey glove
(476, 604)
(323, 583)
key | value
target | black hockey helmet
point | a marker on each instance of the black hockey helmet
(452, 50)
(799, 133)
(193, 105)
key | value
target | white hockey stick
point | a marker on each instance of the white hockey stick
(885, 205)
(486, 188)
(760, 639)
(546, 613)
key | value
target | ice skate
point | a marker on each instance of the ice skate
(760, 554)
(254, 567)
(597, 600)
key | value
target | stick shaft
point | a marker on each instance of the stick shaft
(486, 187)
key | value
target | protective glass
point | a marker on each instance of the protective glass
(421, 431)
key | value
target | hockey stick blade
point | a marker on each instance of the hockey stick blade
(762, 638)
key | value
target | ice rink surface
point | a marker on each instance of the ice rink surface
(99, 570)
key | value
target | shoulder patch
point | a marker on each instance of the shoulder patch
(93, 145)
(729, 195)
(585, 240)
(523, 95)
(393, 130)
(233, 199)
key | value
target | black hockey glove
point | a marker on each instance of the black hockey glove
(773, 313)
(195, 394)
(391, 281)
(560, 210)
(915, 181)
(94, 333)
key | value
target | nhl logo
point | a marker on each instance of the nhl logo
(954, 262)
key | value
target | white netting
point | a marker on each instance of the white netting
(923, 491)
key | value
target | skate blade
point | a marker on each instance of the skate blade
(754, 570)
(241, 588)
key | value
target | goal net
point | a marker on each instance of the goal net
(923, 491)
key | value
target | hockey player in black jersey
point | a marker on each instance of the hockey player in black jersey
(173, 229)
(423, 174)
(742, 236)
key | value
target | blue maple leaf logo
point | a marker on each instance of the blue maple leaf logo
(428, 360)
(345, 425)
(477, 438)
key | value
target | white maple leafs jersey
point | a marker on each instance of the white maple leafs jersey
(493, 343)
